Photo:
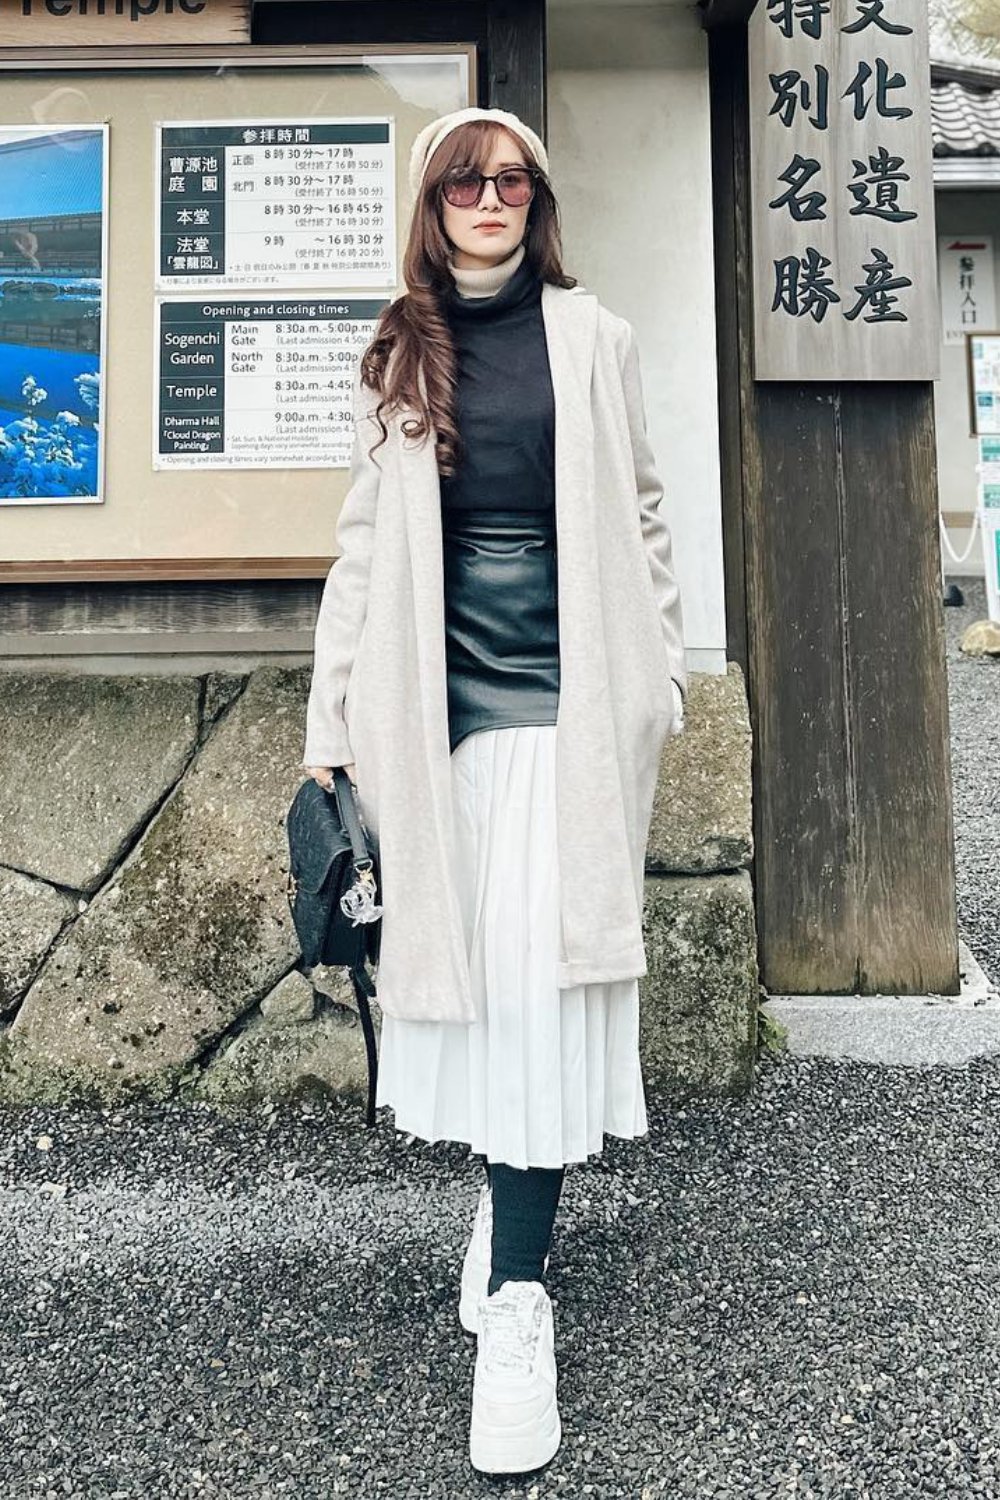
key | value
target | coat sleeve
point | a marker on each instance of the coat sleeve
(656, 533)
(344, 603)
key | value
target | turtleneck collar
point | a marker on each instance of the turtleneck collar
(487, 280)
(521, 287)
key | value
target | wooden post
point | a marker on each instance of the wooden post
(834, 603)
(516, 68)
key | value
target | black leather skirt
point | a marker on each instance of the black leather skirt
(501, 619)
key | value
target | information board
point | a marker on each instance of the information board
(291, 203)
(259, 383)
(982, 357)
(223, 488)
(989, 519)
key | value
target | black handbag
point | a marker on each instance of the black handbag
(332, 890)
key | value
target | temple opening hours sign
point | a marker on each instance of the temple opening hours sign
(283, 203)
(844, 245)
(264, 383)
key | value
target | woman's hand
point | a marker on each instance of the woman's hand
(324, 775)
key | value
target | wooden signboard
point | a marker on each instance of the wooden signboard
(101, 23)
(844, 250)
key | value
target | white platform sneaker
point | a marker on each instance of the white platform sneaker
(478, 1263)
(476, 1266)
(515, 1423)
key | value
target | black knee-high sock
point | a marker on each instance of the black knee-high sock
(524, 1211)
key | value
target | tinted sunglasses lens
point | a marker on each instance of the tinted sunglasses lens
(515, 188)
(463, 189)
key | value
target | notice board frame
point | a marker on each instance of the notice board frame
(975, 431)
(209, 59)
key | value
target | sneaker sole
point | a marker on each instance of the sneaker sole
(509, 1451)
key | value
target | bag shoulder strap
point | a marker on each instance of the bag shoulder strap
(360, 977)
(349, 814)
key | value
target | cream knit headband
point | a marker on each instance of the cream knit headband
(433, 134)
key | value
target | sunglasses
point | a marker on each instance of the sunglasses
(515, 186)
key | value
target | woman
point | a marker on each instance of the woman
(498, 661)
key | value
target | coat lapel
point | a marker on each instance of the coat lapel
(570, 318)
(420, 491)
(600, 918)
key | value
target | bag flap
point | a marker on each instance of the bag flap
(315, 835)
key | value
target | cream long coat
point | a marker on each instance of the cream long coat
(378, 695)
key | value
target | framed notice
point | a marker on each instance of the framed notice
(982, 360)
(989, 519)
(220, 351)
(845, 280)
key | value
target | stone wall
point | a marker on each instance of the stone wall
(146, 947)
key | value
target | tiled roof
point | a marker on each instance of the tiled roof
(965, 121)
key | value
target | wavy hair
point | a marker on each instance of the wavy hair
(410, 362)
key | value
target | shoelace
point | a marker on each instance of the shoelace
(509, 1330)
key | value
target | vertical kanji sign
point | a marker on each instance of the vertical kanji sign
(844, 247)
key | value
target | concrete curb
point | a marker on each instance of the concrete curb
(919, 1031)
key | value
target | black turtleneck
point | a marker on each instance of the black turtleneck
(504, 405)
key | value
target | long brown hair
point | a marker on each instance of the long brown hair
(410, 362)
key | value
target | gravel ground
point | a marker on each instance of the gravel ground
(792, 1294)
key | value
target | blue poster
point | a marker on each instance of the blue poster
(53, 252)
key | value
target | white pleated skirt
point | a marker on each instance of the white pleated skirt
(542, 1073)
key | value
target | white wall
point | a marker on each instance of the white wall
(628, 141)
(965, 213)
